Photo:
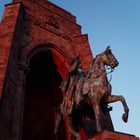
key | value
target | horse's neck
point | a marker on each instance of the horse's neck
(99, 65)
(98, 68)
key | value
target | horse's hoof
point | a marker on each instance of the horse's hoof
(125, 117)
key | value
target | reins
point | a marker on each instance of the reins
(110, 72)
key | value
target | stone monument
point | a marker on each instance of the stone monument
(38, 42)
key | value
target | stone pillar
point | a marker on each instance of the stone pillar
(11, 76)
(7, 31)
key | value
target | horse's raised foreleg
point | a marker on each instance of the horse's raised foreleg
(114, 98)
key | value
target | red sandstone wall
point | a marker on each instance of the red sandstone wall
(10, 29)
(24, 27)
(66, 34)
(7, 28)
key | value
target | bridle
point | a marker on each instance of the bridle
(108, 67)
(110, 72)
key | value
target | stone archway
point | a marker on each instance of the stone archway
(42, 96)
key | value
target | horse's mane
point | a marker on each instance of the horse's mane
(90, 66)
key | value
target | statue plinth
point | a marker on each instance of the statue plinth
(109, 135)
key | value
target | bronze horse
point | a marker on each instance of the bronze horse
(96, 89)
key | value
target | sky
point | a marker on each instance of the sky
(115, 23)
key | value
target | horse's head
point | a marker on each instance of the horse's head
(109, 59)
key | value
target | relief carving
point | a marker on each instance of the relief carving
(50, 24)
(52, 21)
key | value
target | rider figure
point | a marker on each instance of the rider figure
(72, 85)
(79, 83)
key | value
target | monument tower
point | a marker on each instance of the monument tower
(38, 41)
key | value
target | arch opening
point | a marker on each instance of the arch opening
(42, 96)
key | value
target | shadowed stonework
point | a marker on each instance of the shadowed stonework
(42, 96)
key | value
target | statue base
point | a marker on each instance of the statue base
(110, 135)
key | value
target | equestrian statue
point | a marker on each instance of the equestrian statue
(91, 88)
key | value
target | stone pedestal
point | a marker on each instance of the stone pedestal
(109, 135)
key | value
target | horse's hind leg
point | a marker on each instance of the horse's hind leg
(114, 98)
(71, 131)
(98, 115)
